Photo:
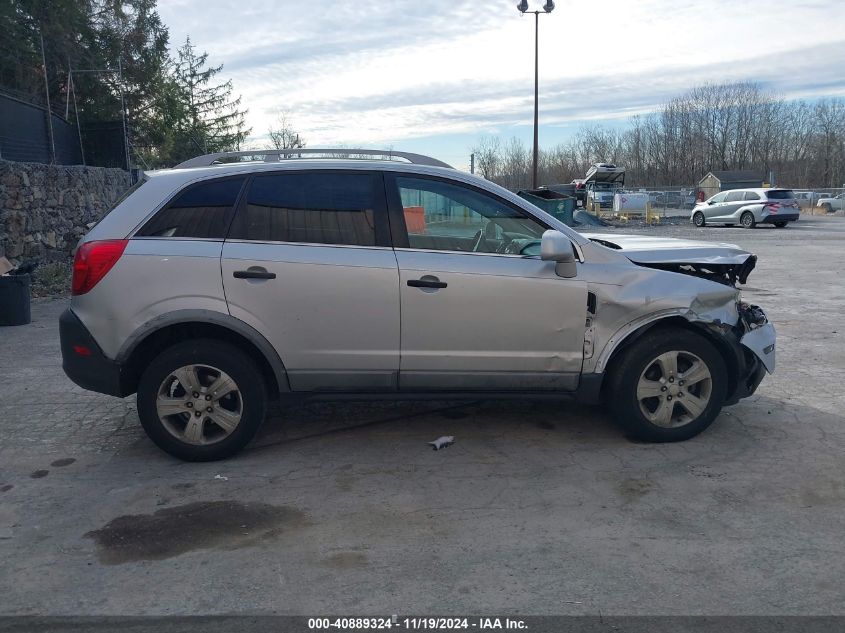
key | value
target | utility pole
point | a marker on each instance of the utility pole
(47, 94)
(123, 112)
(536, 97)
(472, 163)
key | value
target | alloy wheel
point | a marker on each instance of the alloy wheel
(199, 404)
(674, 389)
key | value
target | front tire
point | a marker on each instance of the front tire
(747, 220)
(698, 219)
(668, 386)
(201, 400)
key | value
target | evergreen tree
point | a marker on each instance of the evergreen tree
(211, 120)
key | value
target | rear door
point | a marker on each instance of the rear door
(308, 263)
(480, 310)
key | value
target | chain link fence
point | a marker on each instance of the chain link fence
(677, 200)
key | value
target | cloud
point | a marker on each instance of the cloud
(379, 72)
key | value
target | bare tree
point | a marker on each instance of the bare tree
(488, 157)
(283, 136)
(711, 127)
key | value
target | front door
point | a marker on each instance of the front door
(308, 263)
(480, 310)
(733, 201)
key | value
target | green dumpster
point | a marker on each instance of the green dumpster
(556, 204)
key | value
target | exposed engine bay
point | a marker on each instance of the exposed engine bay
(723, 263)
(728, 274)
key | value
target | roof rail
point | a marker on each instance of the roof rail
(275, 155)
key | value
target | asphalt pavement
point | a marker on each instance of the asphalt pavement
(537, 508)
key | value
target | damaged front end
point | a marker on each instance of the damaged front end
(728, 274)
(708, 300)
(723, 263)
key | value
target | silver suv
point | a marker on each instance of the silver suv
(217, 286)
(748, 207)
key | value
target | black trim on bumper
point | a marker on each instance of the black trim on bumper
(780, 217)
(93, 372)
(750, 370)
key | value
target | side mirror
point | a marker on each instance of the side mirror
(556, 247)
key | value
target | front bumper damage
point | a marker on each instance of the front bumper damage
(753, 341)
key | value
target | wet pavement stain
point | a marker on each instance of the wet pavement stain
(202, 525)
(346, 560)
(633, 489)
(6, 488)
(38, 474)
(65, 461)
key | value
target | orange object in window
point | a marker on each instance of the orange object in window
(415, 219)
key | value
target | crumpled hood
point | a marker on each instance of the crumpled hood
(704, 259)
(645, 249)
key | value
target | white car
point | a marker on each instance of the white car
(748, 207)
(832, 204)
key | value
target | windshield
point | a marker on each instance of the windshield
(780, 194)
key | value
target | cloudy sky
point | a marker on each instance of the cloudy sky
(436, 75)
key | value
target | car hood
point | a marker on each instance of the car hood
(726, 263)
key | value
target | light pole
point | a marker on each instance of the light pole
(547, 8)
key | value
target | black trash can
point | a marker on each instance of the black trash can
(14, 300)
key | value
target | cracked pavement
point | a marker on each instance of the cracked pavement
(538, 508)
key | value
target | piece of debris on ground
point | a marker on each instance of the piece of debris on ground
(442, 442)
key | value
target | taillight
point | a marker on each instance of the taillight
(93, 260)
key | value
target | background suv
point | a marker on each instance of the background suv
(212, 288)
(748, 207)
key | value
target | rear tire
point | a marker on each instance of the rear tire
(747, 220)
(645, 383)
(201, 400)
(698, 219)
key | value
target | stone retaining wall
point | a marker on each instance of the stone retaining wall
(45, 209)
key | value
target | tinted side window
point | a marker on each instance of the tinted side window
(734, 196)
(202, 210)
(313, 208)
(449, 217)
(750, 195)
(719, 197)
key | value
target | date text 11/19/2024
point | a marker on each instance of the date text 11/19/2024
(416, 623)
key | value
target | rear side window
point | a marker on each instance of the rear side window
(203, 210)
(735, 196)
(780, 194)
(309, 208)
(750, 195)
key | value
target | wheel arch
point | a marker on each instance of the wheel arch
(156, 335)
(728, 354)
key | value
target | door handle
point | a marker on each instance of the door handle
(254, 272)
(427, 282)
